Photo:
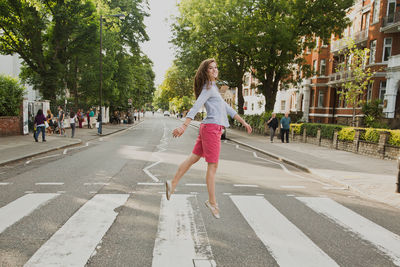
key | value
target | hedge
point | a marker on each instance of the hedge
(394, 138)
(347, 134)
(11, 96)
(296, 127)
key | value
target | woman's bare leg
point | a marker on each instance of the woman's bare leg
(183, 168)
(210, 179)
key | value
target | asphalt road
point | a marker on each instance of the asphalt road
(103, 204)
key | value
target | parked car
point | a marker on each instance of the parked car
(166, 113)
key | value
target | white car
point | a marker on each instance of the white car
(166, 113)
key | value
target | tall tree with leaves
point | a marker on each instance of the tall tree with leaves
(43, 33)
(358, 78)
(214, 29)
(281, 30)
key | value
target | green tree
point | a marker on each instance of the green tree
(214, 29)
(354, 87)
(281, 30)
(44, 34)
(11, 96)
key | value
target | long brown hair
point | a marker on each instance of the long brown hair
(201, 77)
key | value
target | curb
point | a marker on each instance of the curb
(282, 159)
(40, 153)
(62, 147)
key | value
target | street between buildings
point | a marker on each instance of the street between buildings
(104, 205)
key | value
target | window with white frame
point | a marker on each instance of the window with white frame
(372, 52)
(376, 9)
(252, 106)
(391, 9)
(382, 90)
(369, 92)
(322, 67)
(315, 65)
(387, 48)
(283, 105)
(321, 95)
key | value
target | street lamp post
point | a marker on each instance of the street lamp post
(120, 16)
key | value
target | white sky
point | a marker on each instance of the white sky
(158, 28)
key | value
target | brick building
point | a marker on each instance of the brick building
(375, 25)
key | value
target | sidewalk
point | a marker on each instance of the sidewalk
(370, 177)
(13, 148)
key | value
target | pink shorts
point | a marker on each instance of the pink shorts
(208, 143)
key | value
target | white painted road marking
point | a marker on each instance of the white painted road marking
(384, 240)
(96, 184)
(73, 244)
(195, 184)
(5, 183)
(181, 236)
(46, 183)
(293, 186)
(150, 183)
(22, 207)
(245, 185)
(286, 243)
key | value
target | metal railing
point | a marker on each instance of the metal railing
(391, 19)
(358, 37)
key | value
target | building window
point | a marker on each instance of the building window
(246, 92)
(372, 52)
(322, 67)
(369, 92)
(283, 105)
(382, 91)
(312, 98)
(387, 48)
(252, 106)
(321, 95)
(375, 14)
(391, 9)
(315, 65)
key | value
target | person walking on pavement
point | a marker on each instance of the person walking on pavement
(285, 126)
(99, 120)
(91, 118)
(72, 121)
(208, 142)
(61, 117)
(79, 117)
(88, 119)
(40, 126)
(50, 122)
(272, 124)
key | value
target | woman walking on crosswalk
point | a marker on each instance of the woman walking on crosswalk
(208, 142)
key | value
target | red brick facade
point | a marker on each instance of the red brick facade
(10, 126)
(325, 103)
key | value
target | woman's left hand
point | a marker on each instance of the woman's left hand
(178, 132)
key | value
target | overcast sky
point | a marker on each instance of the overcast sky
(159, 31)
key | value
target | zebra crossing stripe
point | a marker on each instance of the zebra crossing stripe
(77, 239)
(286, 243)
(22, 207)
(181, 238)
(384, 240)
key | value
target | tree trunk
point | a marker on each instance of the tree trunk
(240, 99)
(353, 123)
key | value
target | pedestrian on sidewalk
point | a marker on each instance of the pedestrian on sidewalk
(272, 124)
(72, 121)
(91, 118)
(208, 142)
(88, 119)
(99, 121)
(50, 122)
(79, 116)
(40, 126)
(61, 116)
(285, 126)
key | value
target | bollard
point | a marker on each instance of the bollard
(398, 176)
